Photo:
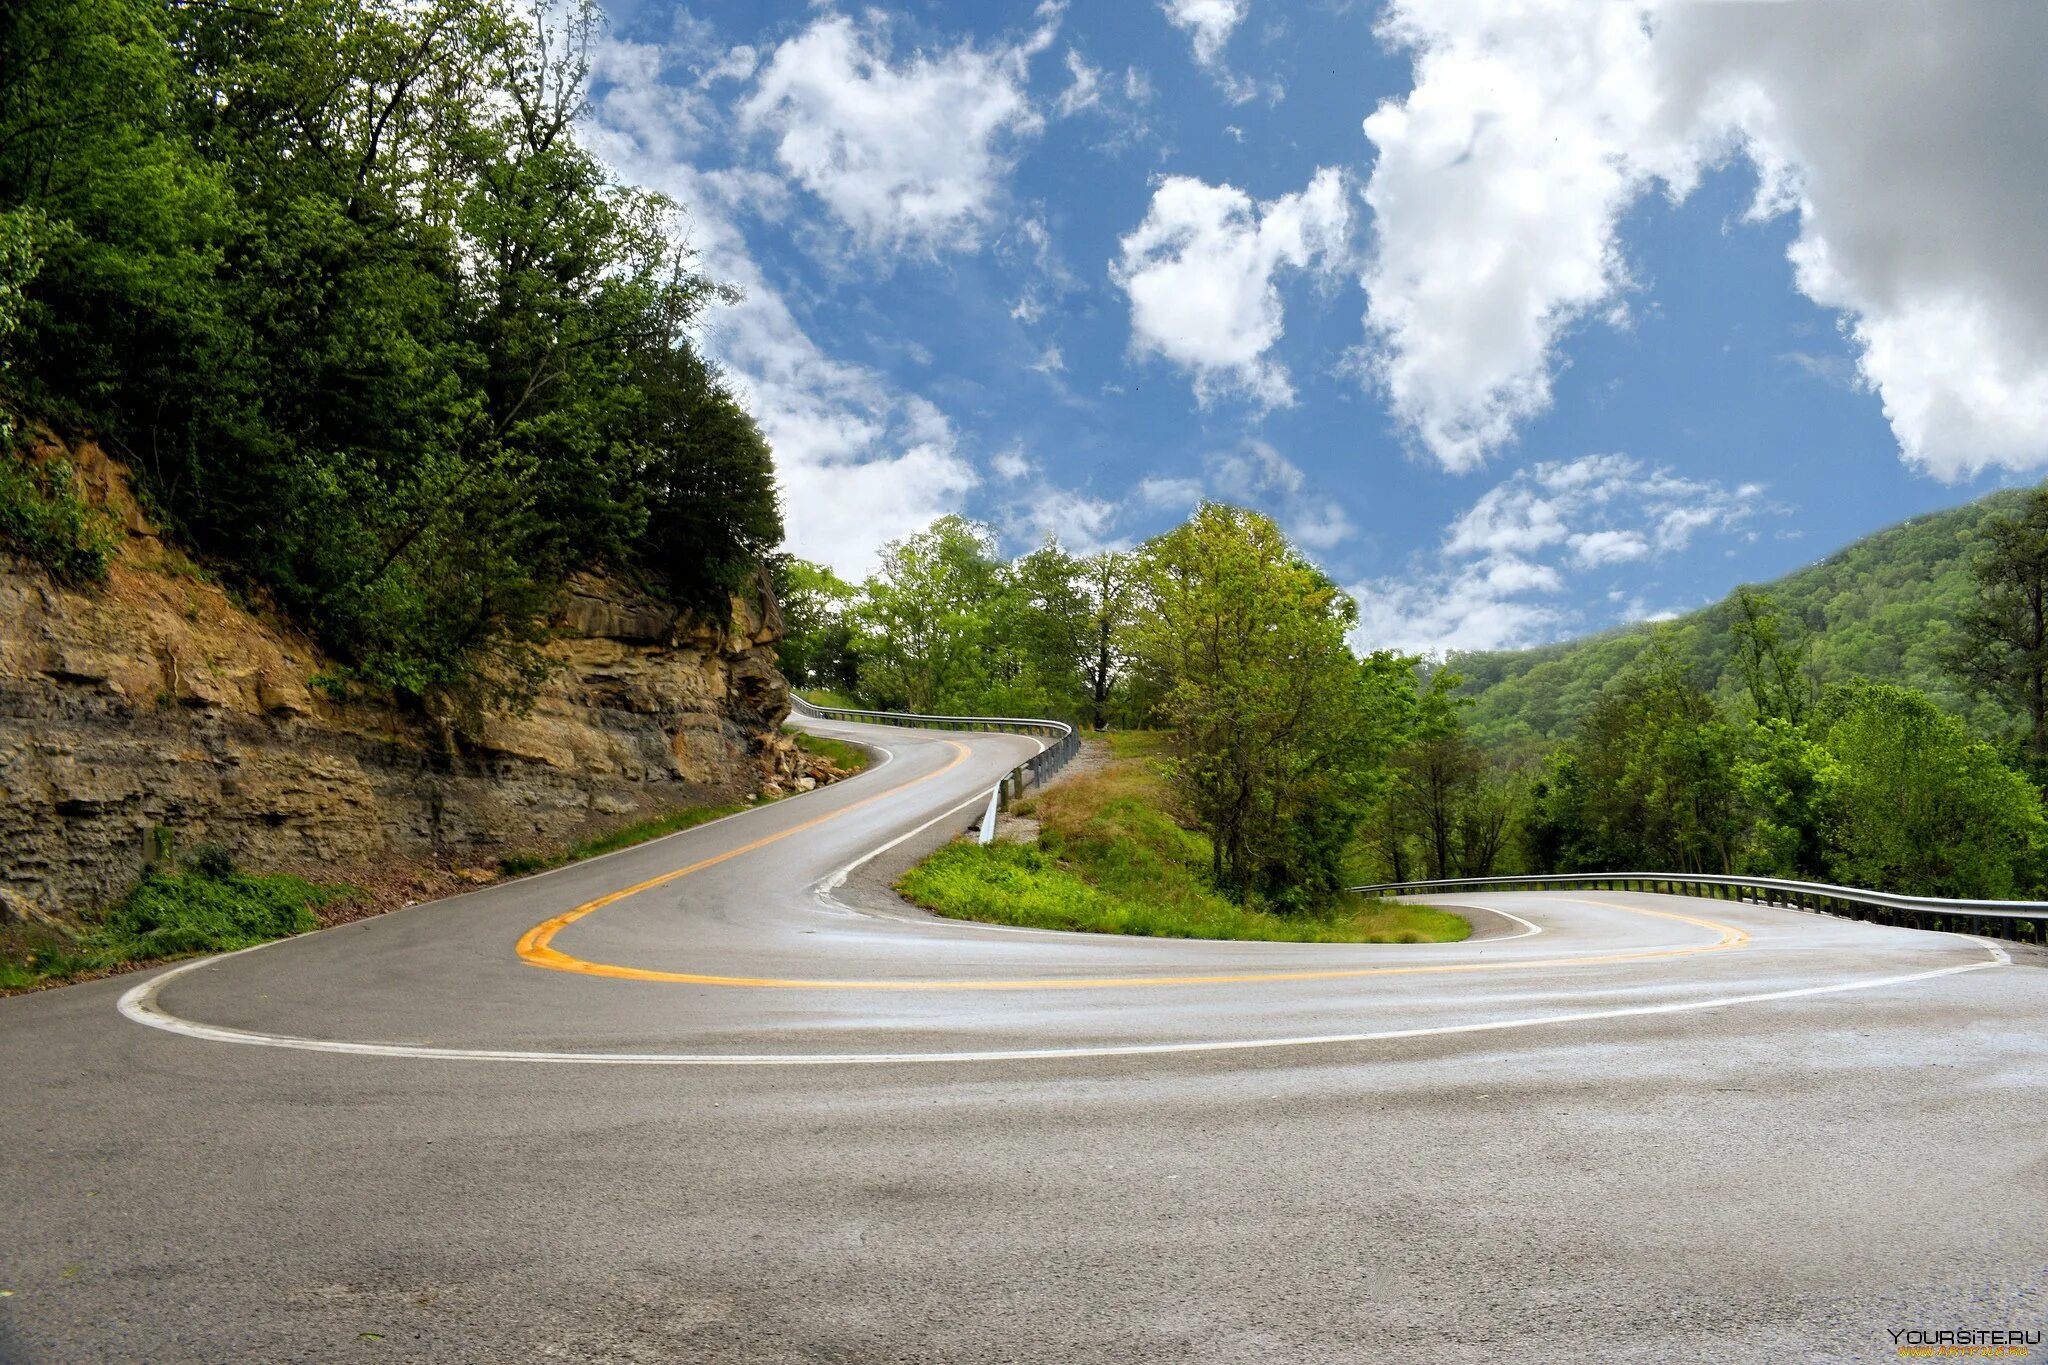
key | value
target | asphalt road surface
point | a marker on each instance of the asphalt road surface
(756, 1110)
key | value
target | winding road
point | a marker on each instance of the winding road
(721, 1097)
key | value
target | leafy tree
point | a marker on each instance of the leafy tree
(1108, 589)
(1280, 735)
(1787, 779)
(2002, 636)
(816, 649)
(1917, 805)
(1648, 782)
(1774, 669)
(1436, 774)
(379, 332)
(925, 620)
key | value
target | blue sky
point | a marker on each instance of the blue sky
(1524, 319)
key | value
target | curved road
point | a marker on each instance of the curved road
(722, 1098)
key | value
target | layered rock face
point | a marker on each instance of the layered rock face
(153, 712)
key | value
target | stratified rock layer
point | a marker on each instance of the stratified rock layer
(153, 712)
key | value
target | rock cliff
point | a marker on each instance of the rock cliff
(155, 712)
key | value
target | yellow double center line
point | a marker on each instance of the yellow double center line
(536, 945)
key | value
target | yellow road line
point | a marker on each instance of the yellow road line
(535, 946)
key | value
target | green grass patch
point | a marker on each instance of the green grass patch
(825, 696)
(1134, 743)
(1112, 859)
(837, 752)
(172, 914)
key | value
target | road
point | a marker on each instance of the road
(758, 1111)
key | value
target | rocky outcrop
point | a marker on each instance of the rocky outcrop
(154, 711)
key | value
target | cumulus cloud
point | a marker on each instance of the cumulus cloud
(859, 462)
(906, 154)
(1494, 581)
(1200, 275)
(1531, 128)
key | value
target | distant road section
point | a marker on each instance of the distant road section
(722, 1097)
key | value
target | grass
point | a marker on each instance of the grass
(825, 696)
(171, 914)
(1112, 859)
(840, 754)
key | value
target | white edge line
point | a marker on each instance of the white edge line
(139, 1004)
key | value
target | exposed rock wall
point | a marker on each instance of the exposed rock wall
(154, 709)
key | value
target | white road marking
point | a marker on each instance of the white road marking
(140, 1005)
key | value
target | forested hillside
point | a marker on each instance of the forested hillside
(1881, 609)
(385, 344)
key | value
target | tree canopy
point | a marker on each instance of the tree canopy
(380, 334)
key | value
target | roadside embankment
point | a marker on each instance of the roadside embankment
(1109, 857)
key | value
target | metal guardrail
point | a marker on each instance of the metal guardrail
(1034, 771)
(2021, 921)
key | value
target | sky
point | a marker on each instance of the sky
(1524, 318)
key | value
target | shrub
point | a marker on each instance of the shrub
(44, 520)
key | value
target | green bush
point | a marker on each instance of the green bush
(44, 520)
(171, 914)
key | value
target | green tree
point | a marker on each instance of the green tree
(1787, 780)
(1279, 735)
(1648, 782)
(1916, 805)
(924, 625)
(816, 649)
(1108, 589)
(2001, 646)
(1776, 671)
(1436, 777)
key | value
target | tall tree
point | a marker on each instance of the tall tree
(1280, 735)
(925, 622)
(2001, 646)
(816, 649)
(1108, 588)
(1436, 773)
(1648, 782)
(1776, 670)
(1916, 805)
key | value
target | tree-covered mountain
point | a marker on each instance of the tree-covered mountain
(1882, 609)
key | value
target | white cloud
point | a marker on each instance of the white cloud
(1594, 548)
(1084, 86)
(1494, 196)
(1050, 361)
(1258, 475)
(859, 462)
(1082, 524)
(1495, 581)
(1532, 127)
(1012, 464)
(1170, 495)
(910, 153)
(1208, 24)
(1200, 270)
